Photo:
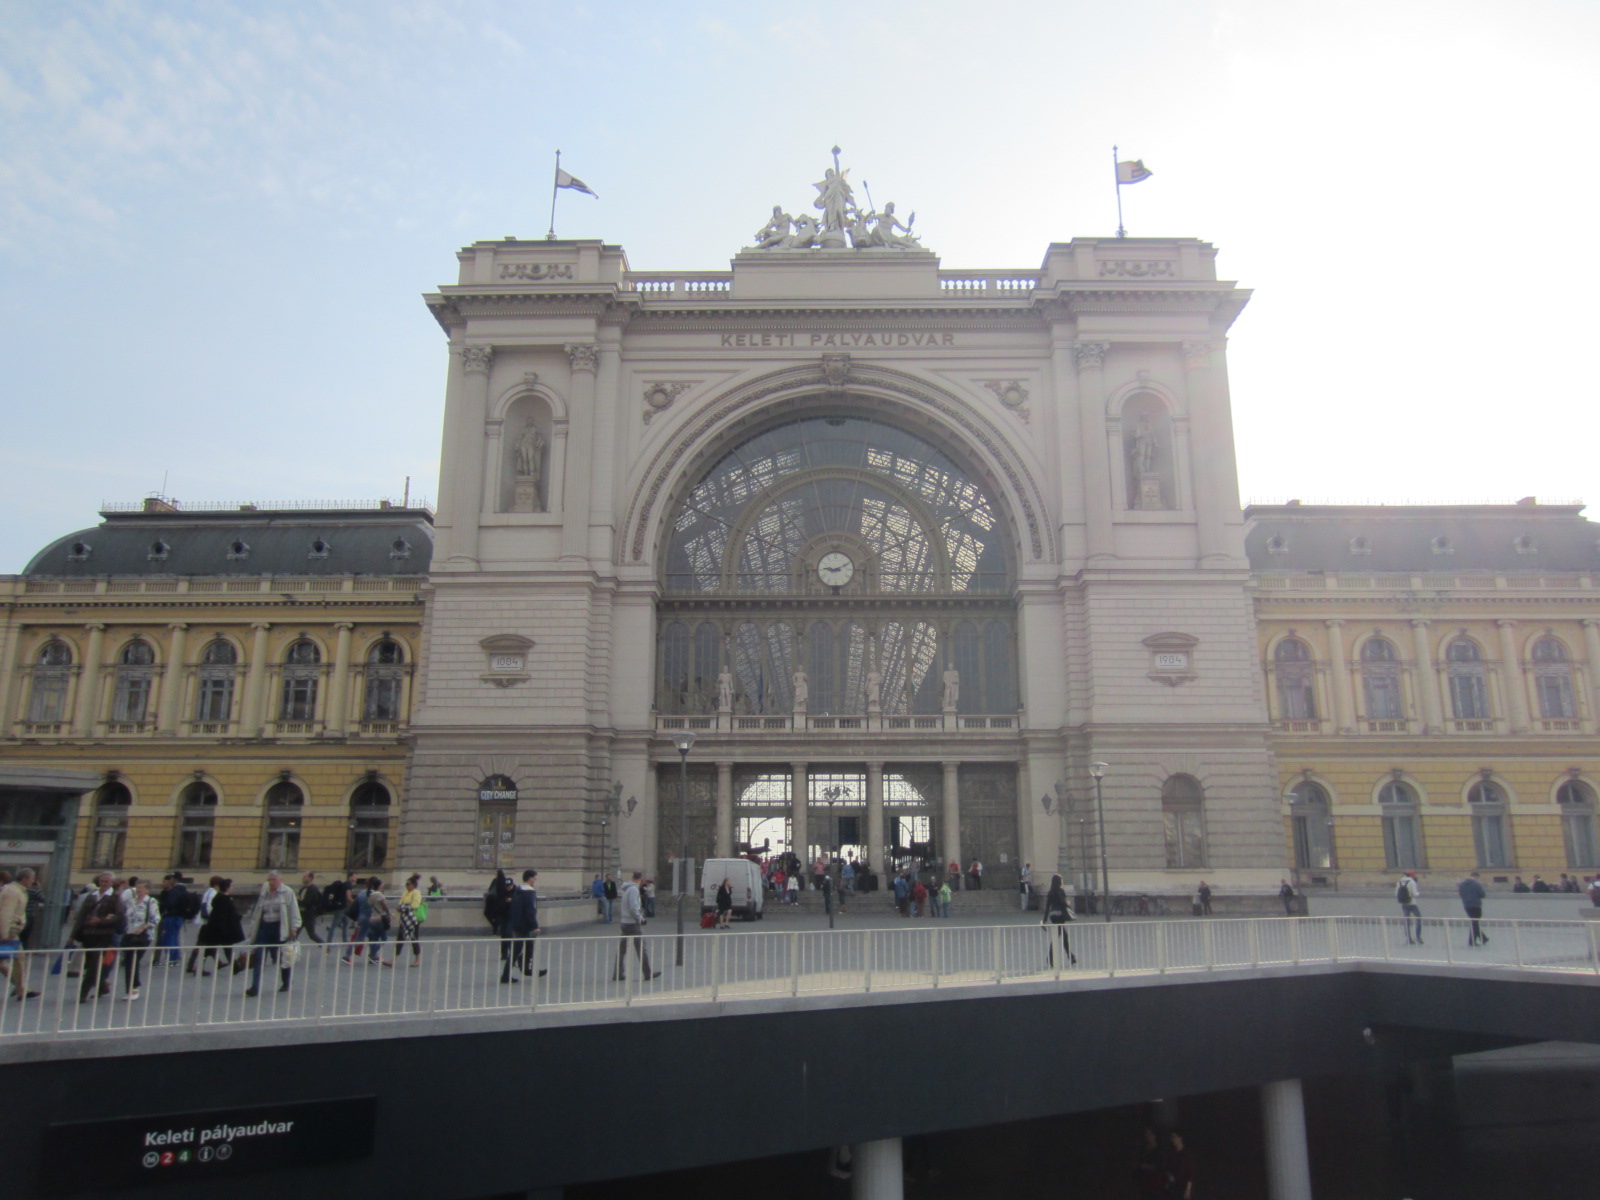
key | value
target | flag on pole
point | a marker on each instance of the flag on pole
(564, 180)
(1129, 172)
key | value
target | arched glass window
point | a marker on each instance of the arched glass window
(135, 673)
(369, 827)
(51, 673)
(1469, 696)
(301, 671)
(1488, 805)
(197, 827)
(1577, 823)
(111, 803)
(1380, 680)
(1297, 693)
(214, 695)
(1183, 821)
(385, 680)
(285, 809)
(1402, 835)
(1552, 679)
(1312, 821)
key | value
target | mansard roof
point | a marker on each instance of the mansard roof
(163, 538)
(1523, 538)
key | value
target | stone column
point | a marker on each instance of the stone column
(339, 685)
(876, 1172)
(873, 847)
(172, 681)
(607, 451)
(1214, 471)
(950, 819)
(1090, 359)
(8, 676)
(1283, 1120)
(799, 792)
(1344, 704)
(251, 721)
(725, 833)
(1427, 678)
(1516, 680)
(584, 357)
(466, 491)
(88, 709)
(1591, 649)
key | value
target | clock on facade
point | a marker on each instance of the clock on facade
(836, 568)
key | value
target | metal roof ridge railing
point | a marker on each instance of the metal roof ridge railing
(220, 506)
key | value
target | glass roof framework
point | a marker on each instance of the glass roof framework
(926, 525)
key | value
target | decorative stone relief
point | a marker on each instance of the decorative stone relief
(583, 355)
(477, 358)
(1197, 354)
(1010, 393)
(1138, 268)
(843, 225)
(835, 371)
(505, 659)
(1090, 354)
(660, 393)
(1171, 658)
(536, 270)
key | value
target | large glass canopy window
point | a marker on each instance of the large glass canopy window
(887, 528)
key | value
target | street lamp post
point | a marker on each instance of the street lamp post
(1098, 771)
(684, 741)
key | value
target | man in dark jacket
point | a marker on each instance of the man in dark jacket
(173, 898)
(523, 923)
(1472, 892)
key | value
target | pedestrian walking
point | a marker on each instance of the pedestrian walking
(632, 917)
(411, 905)
(221, 931)
(975, 874)
(1025, 885)
(1472, 892)
(1286, 894)
(274, 922)
(174, 912)
(1203, 894)
(310, 900)
(14, 899)
(523, 924)
(725, 903)
(792, 889)
(336, 898)
(1057, 912)
(1408, 893)
(141, 916)
(944, 899)
(99, 920)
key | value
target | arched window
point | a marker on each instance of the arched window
(1312, 821)
(1576, 799)
(369, 827)
(1402, 836)
(198, 822)
(1488, 806)
(385, 679)
(135, 672)
(1469, 696)
(1297, 693)
(52, 670)
(301, 671)
(111, 802)
(1183, 821)
(1380, 680)
(214, 696)
(1552, 679)
(285, 807)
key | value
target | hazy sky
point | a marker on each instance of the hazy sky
(216, 218)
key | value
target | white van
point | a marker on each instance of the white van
(745, 879)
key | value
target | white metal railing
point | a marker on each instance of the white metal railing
(461, 976)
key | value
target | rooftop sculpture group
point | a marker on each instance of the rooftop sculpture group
(843, 224)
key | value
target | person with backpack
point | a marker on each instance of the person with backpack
(336, 898)
(1406, 894)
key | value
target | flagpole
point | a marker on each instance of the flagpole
(1115, 177)
(556, 178)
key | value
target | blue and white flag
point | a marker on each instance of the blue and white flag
(1131, 172)
(564, 180)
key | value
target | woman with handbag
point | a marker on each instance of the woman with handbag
(413, 911)
(1057, 912)
(141, 915)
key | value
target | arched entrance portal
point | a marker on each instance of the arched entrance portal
(843, 587)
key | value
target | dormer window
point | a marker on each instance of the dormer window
(1524, 544)
(1277, 544)
(1441, 545)
(159, 551)
(238, 550)
(1360, 545)
(78, 552)
(399, 548)
(319, 549)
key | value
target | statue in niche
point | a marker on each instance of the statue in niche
(802, 689)
(1143, 450)
(725, 690)
(774, 235)
(952, 688)
(1144, 447)
(874, 689)
(528, 460)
